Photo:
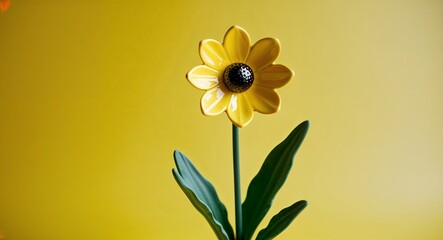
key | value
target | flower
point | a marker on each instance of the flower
(239, 78)
(4, 4)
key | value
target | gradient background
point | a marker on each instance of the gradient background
(93, 101)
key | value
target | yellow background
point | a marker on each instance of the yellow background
(93, 101)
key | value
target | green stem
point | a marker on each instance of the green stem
(237, 187)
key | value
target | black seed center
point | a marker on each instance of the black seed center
(238, 77)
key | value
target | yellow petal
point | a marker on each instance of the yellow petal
(263, 100)
(213, 54)
(239, 110)
(273, 76)
(237, 44)
(203, 77)
(263, 53)
(215, 101)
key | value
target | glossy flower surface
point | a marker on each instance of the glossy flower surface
(239, 78)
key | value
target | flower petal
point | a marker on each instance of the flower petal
(239, 110)
(237, 44)
(263, 53)
(203, 77)
(215, 101)
(213, 54)
(273, 76)
(263, 100)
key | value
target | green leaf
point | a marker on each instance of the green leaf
(270, 179)
(281, 221)
(203, 196)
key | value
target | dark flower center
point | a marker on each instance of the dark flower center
(238, 77)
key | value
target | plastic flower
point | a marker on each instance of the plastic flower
(239, 78)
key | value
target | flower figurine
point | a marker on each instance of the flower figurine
(239, 78)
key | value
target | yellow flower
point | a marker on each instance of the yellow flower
(239, 79)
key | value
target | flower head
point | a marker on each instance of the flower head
(239, 78)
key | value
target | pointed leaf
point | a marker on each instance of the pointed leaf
(281, 221)
(270, 179)
(203, 196)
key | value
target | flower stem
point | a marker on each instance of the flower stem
(237, 187)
